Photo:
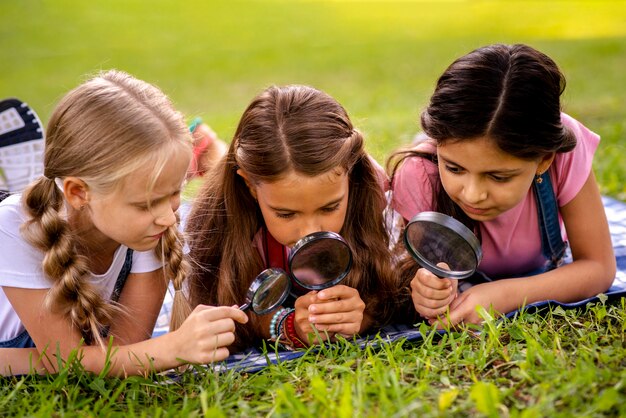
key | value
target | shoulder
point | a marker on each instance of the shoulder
(12, 216)
(11, 210)
(571, 169)
(416, 167)
(414, 181)
(582, 133)
(20, 262)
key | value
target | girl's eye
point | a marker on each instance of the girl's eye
(331, 208)
(285, 215)
(453, 169)
(500, 179)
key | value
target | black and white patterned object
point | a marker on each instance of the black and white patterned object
(21, 145)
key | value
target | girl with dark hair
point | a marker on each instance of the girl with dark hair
(498, 154)
(296, 165)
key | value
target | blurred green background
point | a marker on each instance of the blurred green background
(380, 59)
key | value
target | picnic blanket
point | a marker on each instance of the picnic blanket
(254, 359)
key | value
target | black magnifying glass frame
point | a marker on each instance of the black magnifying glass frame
(257, 284)
(459, 232)
(312, 239)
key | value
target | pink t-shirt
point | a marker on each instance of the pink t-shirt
(511, 242)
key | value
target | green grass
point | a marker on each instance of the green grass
(380, 60)
(566, 363)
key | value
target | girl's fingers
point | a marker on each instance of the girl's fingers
(429, 308)
(336, 318)
(216, 355)
(212, 313)
(337, 292)
(340, 305)
(304, 301)
(347, 330)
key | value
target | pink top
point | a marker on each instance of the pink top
(511, 243)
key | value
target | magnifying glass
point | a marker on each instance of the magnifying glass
(320, 260)
(317, 261)
(268, 291)
(432, 238)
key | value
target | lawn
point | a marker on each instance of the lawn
(380, 59)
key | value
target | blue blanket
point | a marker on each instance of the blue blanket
(254, 360)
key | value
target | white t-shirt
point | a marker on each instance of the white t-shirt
(20, 265)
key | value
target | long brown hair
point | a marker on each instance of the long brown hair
(509, 93)
(102, 132)
(292, 128)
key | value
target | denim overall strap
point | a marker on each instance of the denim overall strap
(117, 289)
(23, 340)
(552, 245)
(121, 278)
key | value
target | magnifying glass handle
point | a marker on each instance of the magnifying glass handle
(244, 306)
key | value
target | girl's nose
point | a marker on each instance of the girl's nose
(309, 226)
(166, 217)
(474, 192)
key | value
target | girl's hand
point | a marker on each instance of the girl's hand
(206, 333)
(336, 310)
(488, 295)
(432, 295)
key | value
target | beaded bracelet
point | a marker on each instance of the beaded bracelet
(290, 331)
(277, 321)
(281, 321)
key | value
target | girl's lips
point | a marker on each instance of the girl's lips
(474, 211)
(158, 236)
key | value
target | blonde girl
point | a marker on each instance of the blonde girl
(88, 249)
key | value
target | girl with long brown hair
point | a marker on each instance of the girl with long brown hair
(296, 165)
(499, 155)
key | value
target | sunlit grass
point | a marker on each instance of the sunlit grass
(563, 363)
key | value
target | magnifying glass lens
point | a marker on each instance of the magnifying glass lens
(272, 292)
(320, 260)
(435, 238)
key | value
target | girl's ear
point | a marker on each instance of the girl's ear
(251, 187)
(76, 192)
(545, 163)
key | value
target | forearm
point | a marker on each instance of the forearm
(569, 283)
(126, 360)
(16, 361)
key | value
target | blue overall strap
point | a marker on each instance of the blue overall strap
(552, 245)
(121, 278)
(117, 289)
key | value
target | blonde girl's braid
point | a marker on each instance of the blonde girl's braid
(176, 267)
(102, 132)
(71, 294)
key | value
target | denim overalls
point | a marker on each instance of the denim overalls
(552, 245)
(24, 340)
